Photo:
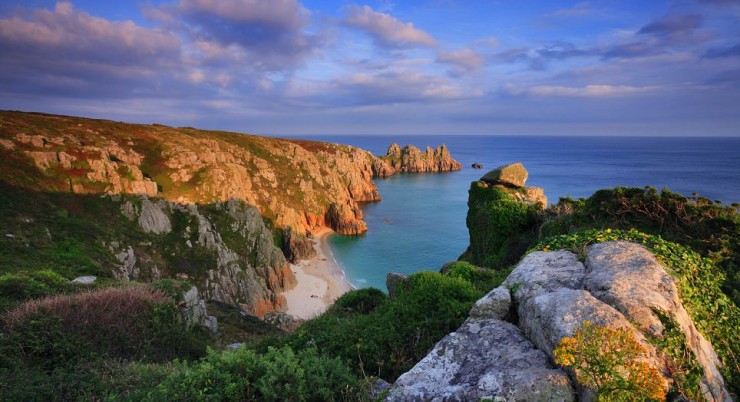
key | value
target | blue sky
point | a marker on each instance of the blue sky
(285, 67)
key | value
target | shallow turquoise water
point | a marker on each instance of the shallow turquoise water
(420, 223)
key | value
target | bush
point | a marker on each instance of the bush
(608, 361)
(20, 286)
(501, 228)
(130, 323)
(280, 374)
(482, 278)
(709, 228)
(360, 301)
(389, 339)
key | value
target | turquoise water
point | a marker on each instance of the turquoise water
(420, 223)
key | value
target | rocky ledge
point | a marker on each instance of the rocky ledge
(620, 285)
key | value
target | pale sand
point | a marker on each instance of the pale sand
(320, 277)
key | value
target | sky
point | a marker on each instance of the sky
(289, 67)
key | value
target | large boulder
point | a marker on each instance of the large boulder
(483, 360)
(513, 175)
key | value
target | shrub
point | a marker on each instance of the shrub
(483, 279)
(129, 323)
(360, 301)
(389, 339)
(20, 286)
(280, 374)
(608, 362)
(709, 228)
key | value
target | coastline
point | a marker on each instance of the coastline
(320, 281)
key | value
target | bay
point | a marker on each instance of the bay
(420, 222)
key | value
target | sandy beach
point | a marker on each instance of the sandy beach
(320, 281)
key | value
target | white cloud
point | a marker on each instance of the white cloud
(463, 61)
(586, 91)
(386, 29)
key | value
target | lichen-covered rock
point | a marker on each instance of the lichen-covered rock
(194, 312)
(544, 272)
(483, 359)
(152, 217)
(496, 304)
(514, 175)
(629, 277)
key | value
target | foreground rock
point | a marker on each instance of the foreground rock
(621, 285)
(483, 359)
(410, 159)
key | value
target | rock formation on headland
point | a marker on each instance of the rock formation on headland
(410, 159)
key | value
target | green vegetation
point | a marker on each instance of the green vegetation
(501, 228)
(698, 282)
(709, 228)
(386, 337)
(608, 362)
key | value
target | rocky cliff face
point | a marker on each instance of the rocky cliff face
(620, 285)
(292, 182)
(503, 216)
(410, 159)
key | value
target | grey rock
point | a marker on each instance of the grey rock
(153, 219)
(496, 304)
(514, 175)
(483, 359)
(378, 388)
(543, 272)
(550, 317)
(86, 280)
(282, 320)
(10, 236)
(211, 323)
(629, 277)
(394, 282)
(234, 346)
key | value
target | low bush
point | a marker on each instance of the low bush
(20, 286)
(127, 323)
(279, 374)
(387, 340)
(608, 361)
(484, 279)
(709, 228)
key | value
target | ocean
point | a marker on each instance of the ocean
(420, 222)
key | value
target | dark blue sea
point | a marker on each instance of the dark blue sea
(420, 223)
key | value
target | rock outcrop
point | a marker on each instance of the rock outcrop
(484, 359)
(410, 159)
(224, 248)
(194, 312)
(621, 285)
(512, 178)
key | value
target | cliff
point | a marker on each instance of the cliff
(410, 159)
(225, 248)
(303, 185)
